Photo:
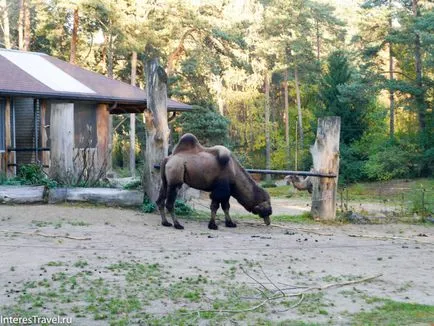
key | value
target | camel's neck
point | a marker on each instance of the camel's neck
(245, 188)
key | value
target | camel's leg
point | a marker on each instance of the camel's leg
(160, 203)
(214, 207)
(170, 205)
(228, 220)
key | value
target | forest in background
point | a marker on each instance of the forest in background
(260, 72)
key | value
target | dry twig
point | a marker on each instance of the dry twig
(303, 230)
(385, 237)
(66, 236)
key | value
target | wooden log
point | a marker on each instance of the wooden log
(62, 141)
(21, 194)
(104, 196)
(157, 128)
(325, 154)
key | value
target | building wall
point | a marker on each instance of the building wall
(23, 136)
(79, 141)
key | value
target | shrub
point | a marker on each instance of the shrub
(388, 163)
(148, 206)
(33, 174)
(182, 208)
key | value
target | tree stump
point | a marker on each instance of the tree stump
(157, 127)
(325, 154)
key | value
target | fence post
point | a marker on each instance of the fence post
(325, 154)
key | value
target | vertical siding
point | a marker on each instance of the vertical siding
(3, 155)
(24, 129)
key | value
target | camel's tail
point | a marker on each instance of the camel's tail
(163, 172)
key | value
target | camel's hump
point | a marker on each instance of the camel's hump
(186, 143)
(188, 139)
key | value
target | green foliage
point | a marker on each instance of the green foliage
(207, 125)
(148, 206)
(182, 208)
(344, 93)
(137, 184)
(421, 198)
(391, 162)
(29, 174)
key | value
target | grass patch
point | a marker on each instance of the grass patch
(41, 224)
(305, 218)
(80, 263)
(78, 223)
(287, 191)
(396, 313)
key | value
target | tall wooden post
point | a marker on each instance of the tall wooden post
(62, 140)
(103, 136)
(133, 119)
(157, 127)
(325, 154)
(9, 156)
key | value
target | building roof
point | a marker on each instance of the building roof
(40, 75)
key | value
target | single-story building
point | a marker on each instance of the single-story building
(52, 112)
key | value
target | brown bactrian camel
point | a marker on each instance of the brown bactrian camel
(212, 169)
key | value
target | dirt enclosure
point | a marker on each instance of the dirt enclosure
(121, 267)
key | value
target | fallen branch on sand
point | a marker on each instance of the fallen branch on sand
(282, 294)
(303, 230)
(65, 236)
(385, 237)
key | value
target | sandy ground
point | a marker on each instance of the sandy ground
(295, 206)
(287, 256)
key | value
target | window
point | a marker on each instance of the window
(85, 135)
(2, 126)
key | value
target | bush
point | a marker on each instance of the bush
(390, 162)
(148, 206)
(33, 174)
(182, 208)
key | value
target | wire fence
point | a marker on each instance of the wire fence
(387, 200)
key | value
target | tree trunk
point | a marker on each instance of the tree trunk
(286, 112)
(74, 39)
(300, 121)
(391, 95)
(178, 52)
(318, 41)
(391, 78)
(133, 119)
(21, 26)
(26, 25)
(110, 55)
(325, 155)
(6, 29)
(157, 128)
(267, 125)
(420, 98)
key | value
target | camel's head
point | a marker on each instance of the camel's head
(264, 210)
